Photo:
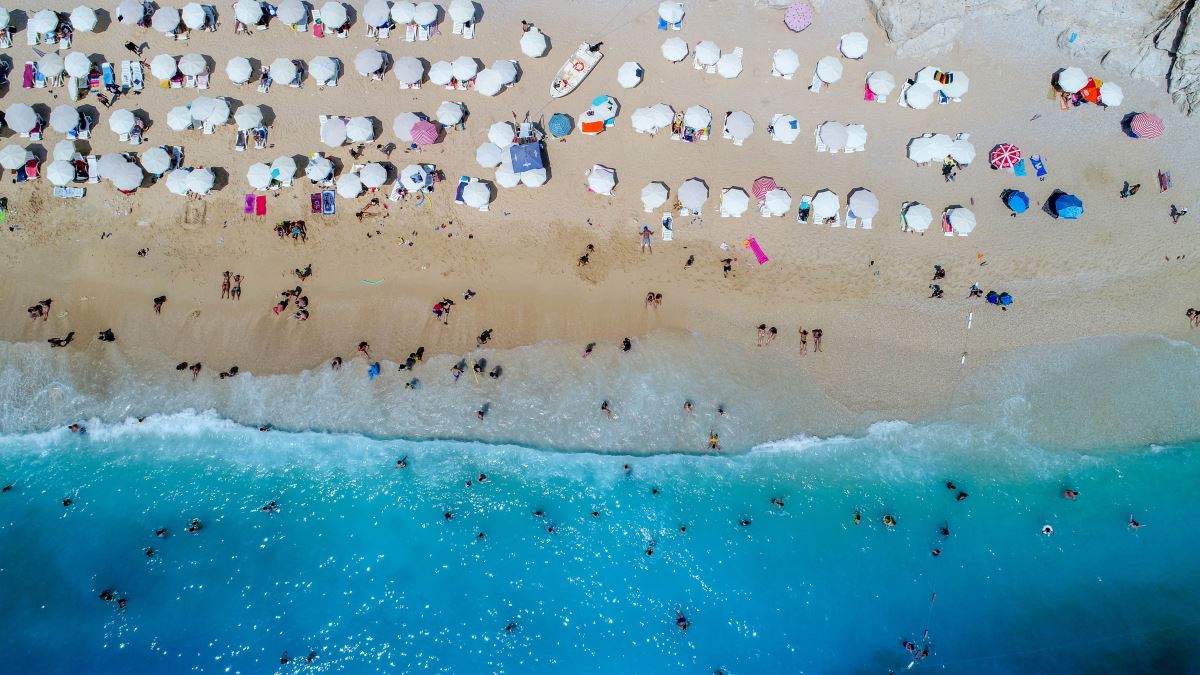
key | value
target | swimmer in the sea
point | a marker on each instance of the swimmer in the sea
(1068, 493)
(195, 526)
(857, 518)
(402, 462)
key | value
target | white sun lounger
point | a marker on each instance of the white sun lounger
(817, 137)
(93, 164)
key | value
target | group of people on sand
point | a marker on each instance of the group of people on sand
(231, 286)
(292, 228)
(1193, 316)
(653, 299)
(766, 337)
(289, 295)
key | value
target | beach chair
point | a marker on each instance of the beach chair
(821, 147)
(410, 32)
(260, 138)
(264, 84)
(202, 81)
(851, 220)
(469, 34)
(463, 181)
(207, 128)
(107, 79)
(457, 29)
(39, 79)
(904, 90)
(866, 223)
(93, 169)
(422, 33)
(239, 141)
(5, 38)
(189, 81)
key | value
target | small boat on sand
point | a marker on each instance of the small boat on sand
(574, 70)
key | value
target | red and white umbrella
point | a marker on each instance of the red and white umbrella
(762, 186)
(1147, 125)
(424, 133)
(1004, 156)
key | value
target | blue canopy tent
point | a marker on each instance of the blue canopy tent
(1017, 201)
(1068, 206)
(526, 157)
(560, 125)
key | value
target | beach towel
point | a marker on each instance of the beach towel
(1040, 168)
(1019, 168)
(752, 244)
(868, 95)
(260, 205)
(329, 202)
(249, 208)
(314, 203)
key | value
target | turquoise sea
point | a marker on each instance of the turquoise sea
(360, 566)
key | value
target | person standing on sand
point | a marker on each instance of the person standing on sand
(158, 303)
(726, 266)
(1177, 213)
(803, 341)
(817, 333)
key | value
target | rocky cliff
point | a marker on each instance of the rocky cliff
(1153, 39)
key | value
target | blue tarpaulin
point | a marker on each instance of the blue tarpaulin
(526, 157)
(1068, 206)
(1017, 201)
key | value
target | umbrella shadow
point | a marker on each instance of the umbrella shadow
(1127, 124)
(268, 114)
(18, 20)
(220, 178)
(1048, 205)
(103, 20)
(351, 15)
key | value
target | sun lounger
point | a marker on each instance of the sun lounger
(802, 216)
(463, 181)
(35, 134)
(137, 75)
(457, 29)
(106, 75)
(210, 17)
(202, 81)
(851, 220)
(264, 84)
(5, 38)
(837, 219)
(176, 153)
(126, 76)
(469, 34)
(181, 36)
(903, 90)
(135, 136)
(64, 192)
(260, 138)
(93, 169)
(817, 136)
(32, 39)
(39, 80)
(422, 33)
(318, 25)
(239, 142)
(410, 32)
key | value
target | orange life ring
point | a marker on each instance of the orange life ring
(579, 66)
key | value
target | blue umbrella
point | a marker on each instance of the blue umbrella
(1068, 206)
(1017, 201)
(560, 125)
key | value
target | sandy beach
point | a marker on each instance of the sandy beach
(888, 349)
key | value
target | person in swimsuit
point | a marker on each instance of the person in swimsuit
(336, 363)
(646, 240)
(236, 292)
(195, 371)
(816, 334)
(158, 303)
(225, 286)
(604, 408)
(803, 341)
(771, 333)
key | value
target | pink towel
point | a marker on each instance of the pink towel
(249, 209)
(260, 206)
(752, 244)
(868, 95)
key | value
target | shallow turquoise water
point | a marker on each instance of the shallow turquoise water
(360, 565)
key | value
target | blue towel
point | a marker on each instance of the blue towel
(1019, 168)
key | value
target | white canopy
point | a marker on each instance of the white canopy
(1111, 93)
(402, 126)
(376, 13)
(21, 118)
(259, 176)
(292, 12)
(825, 204)
(962, 220)
(786, 61)
(461, 11)
(318, 169)
(962, 151)
(853, 45)
(506, 178)
(533, 44)
(644, 120)
(322, 68)
(629, 75)
(919, 96)
(52, 65)
(425, 14)
(130, 12)
(692, 194)
(786, 128)
(408, 70)
(864, 203)
(368, 61)
(488, 82)
(163, 67)
(64, 118)
(219, 114)
(179, 118)
(156, 161)
(833, 134)
(1072, 80)
(654, 195)
(403, 12)
(506, 69)
(349, 186)
(740, 125)
(476, 194)
(464, 68)
(64, 150)
(602, 180)
(958, 85)
(201, 181)
(697, 117)
(83, 19)
(489, 155)
(60, 172)
(449, 113)
(856, 136)
(203, 107)
(334, 15)
(109, 163)
(734, 201)
(829, 69)
(360, 129)
(414, 177)
(249, 12)
(707, 53)
(43, 21)
(177, 181)
(373, 175)
(441, 72)
(165, 20)
(192, 64)
(121, 121)
(670, 11)
(126, 177)
(248, 117)
(928, 148)
(534, 178)
(881, 82)
(917, 217)
(12, 157)
(77, 64)
(729, 65)
(238, 70)
(283, 70)
(193, 15)
(333, 132)
(502, 134)
(777, 202)
(664, 114)
(674, 49)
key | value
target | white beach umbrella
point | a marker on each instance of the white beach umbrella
(917, 217)
(323, 68)
(64, 150)
(60, 172)
(729, 65)
(43, 21)
(461, 11)
(464, 68)
(476, 194)
(12, 157)
(77, 64)
(333, 132)
(21, 118)
(83, 19)
(928, 74)
(238, 70)
(707, 53)
(962, 220)
(533, 44)
(506, 69)
(1072, 79)
(52, 65)
(697, 117)
(192, 65)
(334, 15)
(674, 49)
(259, 176)
(941, 144)
(177, 182)
(864, 203)
(414, 177)
(664, 115)
(349, 186)
(368, 61)
(376, 13)
(825, 204)
(219, 114)
(179, 118)
(248, 117)
(786, 128)
(425, 14)
(962, 151)
(786, 61)
(778, 202)
(165, 20)
(829, 69)
(692, 194)
(602, 180)
(402, 126)
(534, 177)
(489, 155)
(249, 12)
(408, 70)
(449, 113)
(506, 178)
(502, 134)
(127, 177)
(156, 161)
(318, 169)
(1111, 93)
(130, 12)
(193, 15)
(373, 175)
(291, 12)
(441, 72)
(110, 163)
(488, 82)
(740, 125)
(957, 86)
(201, 181)
(121, 121)
(735, 201)
(919, 96)
(853, 45)
(283, 70)
(404, 12)
(64, 118)
(921, 149)
(881, 82)
(629, 75)
(644, 120)
(654, 195)
(5, 19)
(360, 129)
(203, 107)
(833, 134)
(163, 67)
(670, 11)
(856, 136)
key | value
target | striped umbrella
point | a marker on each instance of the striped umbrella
(1004, 156)
(762, 186)
(1147, 125)
(424, 133)
(799, 15)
